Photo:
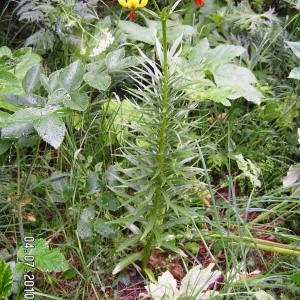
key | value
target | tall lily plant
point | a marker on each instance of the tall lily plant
(160, 160)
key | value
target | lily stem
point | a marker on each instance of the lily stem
(156, 213)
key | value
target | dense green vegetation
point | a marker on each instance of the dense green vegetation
(150, 150)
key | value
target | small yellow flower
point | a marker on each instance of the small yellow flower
(133, 4)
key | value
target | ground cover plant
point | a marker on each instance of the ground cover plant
(149, 149)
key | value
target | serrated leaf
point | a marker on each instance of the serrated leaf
(216, 94)
(240, 79)
(6, 280)
(51, 129)
(125, 262)
(51, 261)
(47, 260)
(31, 81)
(100, 81)
(222, 54)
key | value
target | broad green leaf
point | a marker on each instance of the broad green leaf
(24, 100)
(222, 54)
(6, 280)
(27, 62)
(125, 262)
(54, 81)
(113, 59)
(47, 260)
(295, 46)
(4, 145)
(85, 223)
(296, 278)
(9, 84)
(175, 30)
(51, 129)
(5, 51)
(116, 61)
(99, 81)
(31, 81)
(58, 97)
(79, 102)
(137, 32)
(92, 182)
(240, 79)
(16, 131)
(51, 261)
(31, 115)
(104, 229)
(84, 229)
(216, 94)
(295, 73)
(88, 214)
(107, 200)
(71, 76)
(199, 51)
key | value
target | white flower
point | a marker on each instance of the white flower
(195, 283)
(105, 40)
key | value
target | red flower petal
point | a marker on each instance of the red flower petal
(132, 15)
(199, 2)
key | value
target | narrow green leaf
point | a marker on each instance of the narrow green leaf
(125, 262)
